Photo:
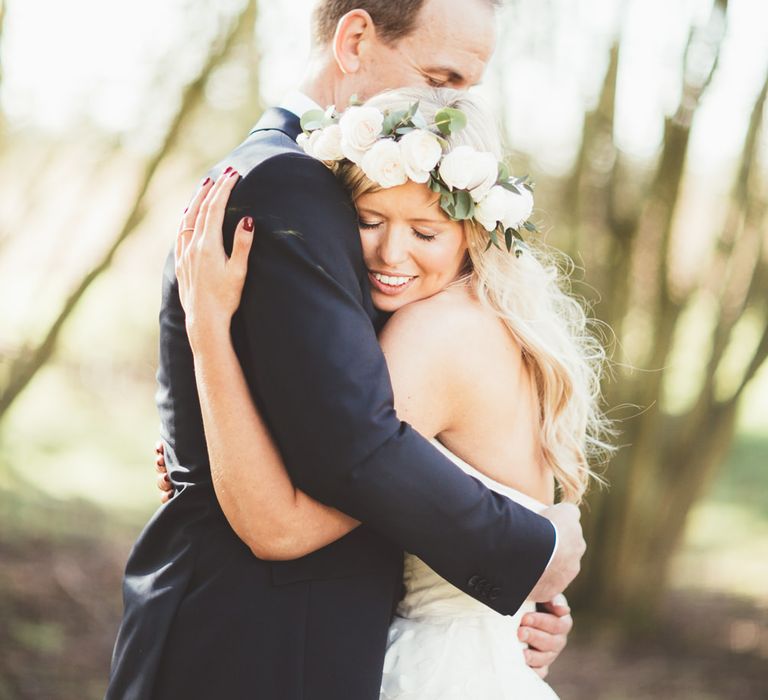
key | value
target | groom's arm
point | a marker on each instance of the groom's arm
(313, 361)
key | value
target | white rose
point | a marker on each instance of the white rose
(490, 210)
(519, 208)
(421, 152)
(464, 168)
(486, 172)
(328, 143)
(360, 128)
(308, 141)
(502, 205)
(383, 163)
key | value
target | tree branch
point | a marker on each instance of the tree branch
(25, 367)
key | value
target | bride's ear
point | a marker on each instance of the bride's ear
(353, 31)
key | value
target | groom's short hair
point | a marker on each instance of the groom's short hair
(394, 19)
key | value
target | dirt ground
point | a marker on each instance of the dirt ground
(60, 603)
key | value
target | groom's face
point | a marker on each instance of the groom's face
(449, 47)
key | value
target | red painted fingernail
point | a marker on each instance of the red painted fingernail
(229, 167)
(248, 223)
(166, 479)
(186, 210)
(233, 173)
(205, 182)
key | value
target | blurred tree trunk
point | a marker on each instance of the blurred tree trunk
(32, 358)
(670, 458)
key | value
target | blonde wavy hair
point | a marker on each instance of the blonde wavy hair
(531, 295)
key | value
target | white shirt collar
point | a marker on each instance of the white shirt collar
(298, 103)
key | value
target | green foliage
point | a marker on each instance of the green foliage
(449, 120)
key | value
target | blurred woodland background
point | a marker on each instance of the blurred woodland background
(644, 125)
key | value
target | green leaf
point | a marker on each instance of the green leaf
(503, 172)
(449, 120)
(463, 205)
(509, 185)
(412, 111)
(495, 237)
(529, 226)
(313, 119)
(404, 130)
(508, 239)
(418, 121)
(394, 120)
(447, 204)
(313, 126)
(435, 185)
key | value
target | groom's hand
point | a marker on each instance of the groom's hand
(163, 481)
(546, 633)
(566, 562)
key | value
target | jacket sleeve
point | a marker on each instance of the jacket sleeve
(313, 362)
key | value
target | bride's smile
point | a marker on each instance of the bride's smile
(412, 250)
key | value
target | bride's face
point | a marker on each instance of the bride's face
(411, 248)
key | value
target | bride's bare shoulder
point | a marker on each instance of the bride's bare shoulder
(451, 319)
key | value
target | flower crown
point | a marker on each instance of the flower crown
(393, 146)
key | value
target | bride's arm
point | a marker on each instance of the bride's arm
(276, 520)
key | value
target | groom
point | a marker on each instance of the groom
(205, 618)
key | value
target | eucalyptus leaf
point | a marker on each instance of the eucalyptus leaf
(412, 111)
(463, 205)
(508, 239)
(503, 172)
(435, 185)
(401, 131)
(529, 226)
(509, 185)
(313, 119)
(447, 204)
(418, 121)
(449, 120)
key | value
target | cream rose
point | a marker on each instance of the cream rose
(502, 205)
(328, 144)
(519, 208)
(490, 210)
(383, 163)
(308, 142)
(464, 168)
(486, 172)
(360, 127)
(421, 152)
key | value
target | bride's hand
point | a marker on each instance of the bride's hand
(210, 283)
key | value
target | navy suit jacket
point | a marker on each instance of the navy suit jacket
(204, 618)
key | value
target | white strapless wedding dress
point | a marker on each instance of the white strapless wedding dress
(445, 645)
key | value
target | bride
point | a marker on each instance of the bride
(488, 355)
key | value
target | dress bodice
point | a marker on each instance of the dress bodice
(445, 645)
(427, 594)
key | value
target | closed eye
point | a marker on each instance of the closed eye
(368, 224)
(423, 236)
